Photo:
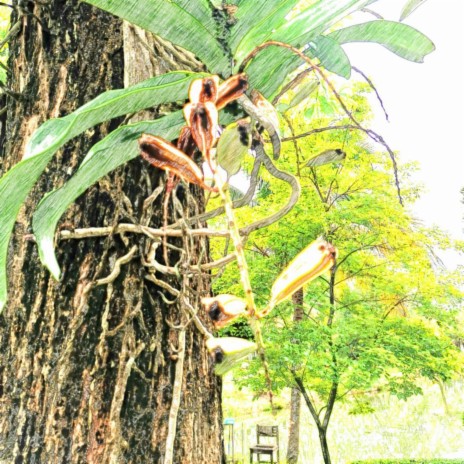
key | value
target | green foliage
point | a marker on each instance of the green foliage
(395, 314)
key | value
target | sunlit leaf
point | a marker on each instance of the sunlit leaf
(401, 39)
(314, 20)
(233, 145)
(18, 181)
(331, 55)
(410, 6)
(255, 23)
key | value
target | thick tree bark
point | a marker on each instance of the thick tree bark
(87, 372)
(293, 447)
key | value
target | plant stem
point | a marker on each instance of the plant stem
(253, 320)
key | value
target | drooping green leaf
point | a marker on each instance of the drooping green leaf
(410, 6)
(16, 183)
(331, 55)
(116, 149)
(175, 22)
(401, 39)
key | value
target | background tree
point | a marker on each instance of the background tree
(99, 367)
(387, 314)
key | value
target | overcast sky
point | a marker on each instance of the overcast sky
(425, 103)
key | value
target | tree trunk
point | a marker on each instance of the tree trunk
(324, 446)
(87, 372)
(293, 447)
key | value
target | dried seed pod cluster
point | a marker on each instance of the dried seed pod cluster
(206, 98)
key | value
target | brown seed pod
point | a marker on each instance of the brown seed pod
(202, 119)
(204, 90)
(164, 155)
(231, 89)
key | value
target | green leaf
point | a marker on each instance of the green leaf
(18, 181)
(326, 157)
(255, 23)
(314, 20)
(331, 55)
(271, 67)
(177, 22)
(401, 39)
(233, 145)
(303, 91)
(200, 10)
(410, 6)
(116, 149)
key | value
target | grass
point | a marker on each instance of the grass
(419, 428)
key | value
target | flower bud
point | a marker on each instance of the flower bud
(228, 351)
(223, 309)
(313, 261)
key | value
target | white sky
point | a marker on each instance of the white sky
(425, 103)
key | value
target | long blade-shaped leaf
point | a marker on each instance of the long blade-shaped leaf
(173, 21)
(200, 10)
(255, 22)
(399, 38)
(410, 6)
(303, 27)
(114, 150)
(331, 56)
(16, 183)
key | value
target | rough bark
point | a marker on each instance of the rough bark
(295, 402)
(87, 372)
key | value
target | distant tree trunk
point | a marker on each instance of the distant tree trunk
(87, 372)
(295, 404)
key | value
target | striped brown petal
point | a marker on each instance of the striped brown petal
(202, 119)
(204, 90)
(231, 89)
(313, 261)
(164, 155)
